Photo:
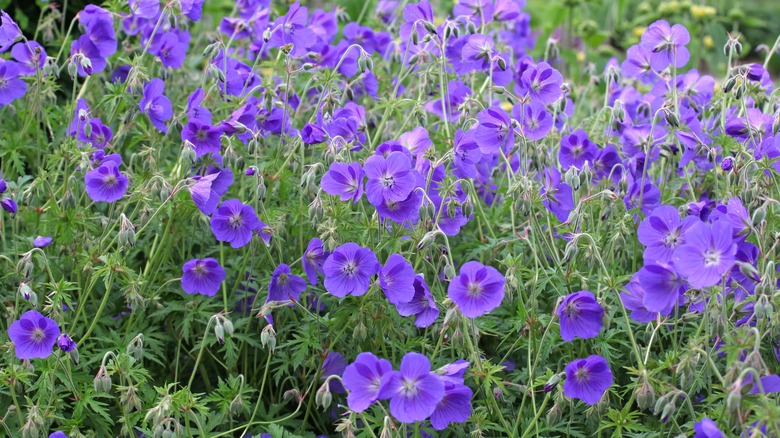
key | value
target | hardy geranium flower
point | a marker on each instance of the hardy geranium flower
(363, 378)
(397, 279)
(204, 137)
(706, 428)
(99, 28)
(662, 287)
(33, 335)
(576, 149)
(414, 391)
(495, 131)
(421, 305)
(313, 260)
(534, 119)
(344, 180)
(587, 379)
(155, 105)
(477, 290)
(557, 194)
(389, 179)
(11, 86)
(106, 183)
(235, 222)
(203, 194)
(30, 56)
(349, 269)
(9, 31)
(292, 29)
(202, 277)
(666, 45)
(65, 343)
(707, 254)
(580, 315)
(42, 241)
(662, 232)
(543, 83)
(285, 286)
(334, 365)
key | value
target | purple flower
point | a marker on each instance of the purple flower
(334, 365)
(662, 232)
(467, 154)
(285, 286)
(661, 286)
(389, 179)
(534, 119)
(42, 241)
(557, 195)
(401, 212)
(414, 391)
(293, 30)
(202, 277)
(313, 260)
(478, 51)
(543, 83)
(587, 379)
(343, 180)
(65, 343)
(11, 87)
(106, 183)
(235, 222)
(155, 105)
(637, 64)
(666, 45)
(633, 299)
(144, 8)
(31, 57)
(494, 131)
(576, 149)
(9, 31)
(707, 428)
(707, 254)
(363, 378)
(204, 137)
(33, 335)
(580, 315)
(9, 205)
(349, 269)
(203, 194)
(647, 198)
(422, 305)
(58, 434)
(454, 407)
(172, 48)
(99, 28)
(397, 279)
(477, 290)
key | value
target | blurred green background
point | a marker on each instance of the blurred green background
(601, 28)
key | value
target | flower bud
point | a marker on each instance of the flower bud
(415, 37)
(219, 331)
(449, 272)
(501, 63)
(268, 338)
(267, 35)
(427, 240)
(759, 215)
(552, 383)
(727, 164)
(126, 232)
(430, 27)
(236, 406)
(102, 381)
(323, 397)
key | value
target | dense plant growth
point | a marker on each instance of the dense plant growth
(418, 221)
